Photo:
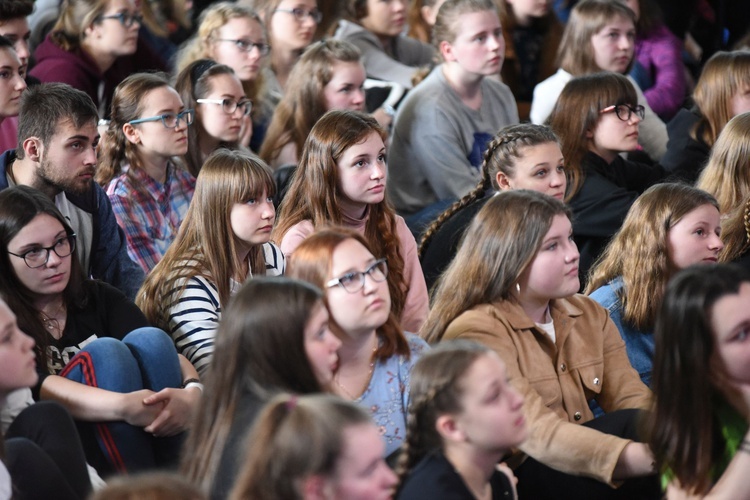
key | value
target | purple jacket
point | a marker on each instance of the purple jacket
(661, 55)
(78, 69)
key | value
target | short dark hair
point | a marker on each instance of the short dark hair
(5, 43)
(44, 106)
(13, 9)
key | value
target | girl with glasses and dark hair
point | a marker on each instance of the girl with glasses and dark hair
(597, 117)
(376, 356)
(93, 46)
(139, 165)
(221, 108)
(122, 381)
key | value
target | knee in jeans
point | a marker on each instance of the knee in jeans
(152, 339)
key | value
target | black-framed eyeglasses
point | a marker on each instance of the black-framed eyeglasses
(624, 112)
(248, 45)
(126, 18)
(169, 120)
(300, 14)
(39, 256)
(354, 281)
(230, 105)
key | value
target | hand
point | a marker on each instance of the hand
(134, 411)
(636, 460)
(177, 407)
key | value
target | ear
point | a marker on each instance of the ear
(33, 148)
(313, 488)
(448, 428)
(428, 14)
(446, 50)
(131, 133)
(503, 181)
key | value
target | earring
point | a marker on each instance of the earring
(518, 287)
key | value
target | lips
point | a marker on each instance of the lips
(377, 189)
(267, 228)
(711, 259)
(572, 272)
(559, 195)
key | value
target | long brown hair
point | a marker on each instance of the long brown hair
(303, 103)
(259, 350)
(75, 17)
(577, 112)
(683, 431)
(314, 193)
(312, 262)
(205, 244)
(295, 438)
(499, 245)
(641, 243)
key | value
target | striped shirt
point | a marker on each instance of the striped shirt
(195, 315)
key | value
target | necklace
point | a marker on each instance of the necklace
(367, 381)
(52, 322)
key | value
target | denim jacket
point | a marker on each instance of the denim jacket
(639, 345)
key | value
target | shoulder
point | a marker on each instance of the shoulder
(296, 235)
(433, 477)
(608, 295)
(275, 261)
(417, 345)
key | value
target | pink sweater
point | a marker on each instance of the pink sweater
(417, 301)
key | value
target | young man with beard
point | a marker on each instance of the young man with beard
(56, 154)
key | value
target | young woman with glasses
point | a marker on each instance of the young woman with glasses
(376, 356)
(221, 109)
(341, 179)
(596, 118)
(93, 47)
(234, 35)
(96, 354)
(139, 165)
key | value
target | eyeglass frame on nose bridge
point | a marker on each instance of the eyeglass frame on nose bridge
(71, 240)
(178, 116)
(362, 276)
(301, 14)
(121, 16)
(247, 103)
(247, 46)
(638, 110)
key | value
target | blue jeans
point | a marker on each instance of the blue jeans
(146, 358)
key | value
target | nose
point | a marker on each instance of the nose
(20, 83)
(715, 243)
(309, 20)
(269, 212)
(30, 342)
(22, 50)
(572, 254)
(358, 97)
(625, 42)
(378, 171)
(557, 179)
(90, 157)
(495, 42)
(53, 260)
(389, 477)
(334, 342)
(399, 6)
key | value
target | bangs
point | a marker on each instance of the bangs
(255, 177)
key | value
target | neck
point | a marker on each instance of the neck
(49, 304)
(606, 155)
(282, 62)
(475, 467)
(353, 209)
(467, 85)
(103, 60)
(356, 350)
(24, 173)
(524, 21)
(535, 308)
(155, 165)
(243, 251)
(207, 145)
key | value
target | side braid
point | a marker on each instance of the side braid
(501, 155)
(421, 435)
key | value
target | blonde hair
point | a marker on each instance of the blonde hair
(641, 243)
(576, 53)
(499, 245)
(75, 17)
(727, 174)
(724, 75)
(205, 245)
(199, 46)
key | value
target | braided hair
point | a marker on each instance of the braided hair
(735, 233)
(435, 390)
(503, 150)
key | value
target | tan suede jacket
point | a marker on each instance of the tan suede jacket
(587, 361)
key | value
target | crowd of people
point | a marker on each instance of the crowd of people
(449, 249)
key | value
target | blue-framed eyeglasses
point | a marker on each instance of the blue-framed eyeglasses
(39, 256)
(169, 120)
(354, 281)
(126, 18)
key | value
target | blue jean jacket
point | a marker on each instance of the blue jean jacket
(640, 345)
